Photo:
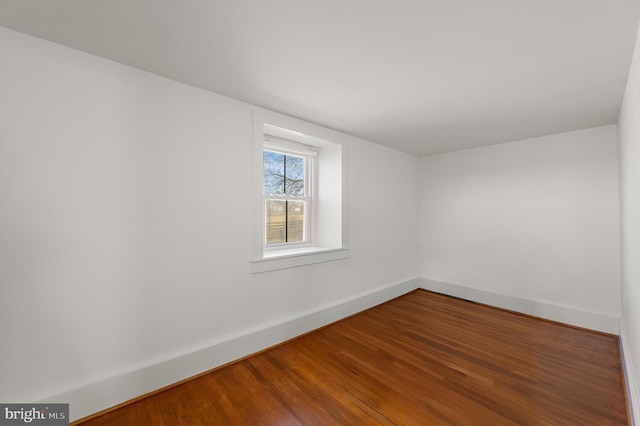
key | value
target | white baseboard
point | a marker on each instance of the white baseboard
(598, 321)
(633, 401)
(101, 393)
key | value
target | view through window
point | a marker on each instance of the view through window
(285, 195)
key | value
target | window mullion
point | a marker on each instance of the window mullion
(285, 197)
(286, 220)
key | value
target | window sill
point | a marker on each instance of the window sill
(292, 257)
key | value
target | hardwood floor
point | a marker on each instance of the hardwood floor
(420, 359)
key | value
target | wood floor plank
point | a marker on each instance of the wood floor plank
(423, 358)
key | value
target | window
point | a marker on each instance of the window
(299, 196)
(288, 193)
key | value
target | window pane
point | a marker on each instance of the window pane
(273, 173)
(294, 176)
(275, 221)
(295, 222)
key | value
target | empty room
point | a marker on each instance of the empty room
(331, 212)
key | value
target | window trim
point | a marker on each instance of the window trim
(268, 128)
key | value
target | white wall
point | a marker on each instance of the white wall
(535, 220)
(125, 228)
(629, 143)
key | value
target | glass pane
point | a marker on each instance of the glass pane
(295, 225)
(294, 183)
(275, 221)
(273, 173)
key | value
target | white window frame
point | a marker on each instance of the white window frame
(327, 239)
(308, 154)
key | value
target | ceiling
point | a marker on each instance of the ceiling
(422, 76)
